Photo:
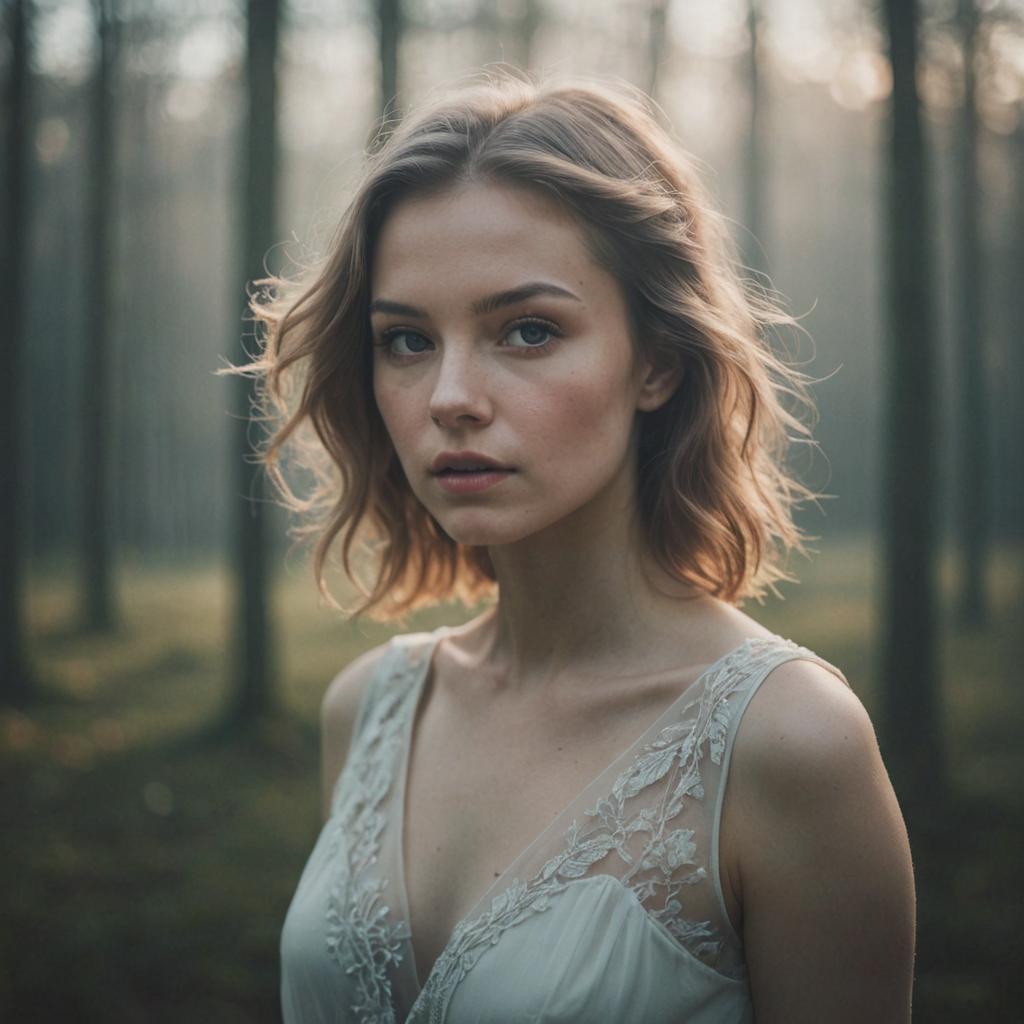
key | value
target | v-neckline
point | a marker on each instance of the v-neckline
(415, 699)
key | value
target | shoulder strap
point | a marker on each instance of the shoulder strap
(371, 692)
(766, 657)
(374, 709)
(396, 672)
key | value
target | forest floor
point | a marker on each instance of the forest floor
(148, 858)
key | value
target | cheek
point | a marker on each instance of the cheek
(586, 417)
(395, 410)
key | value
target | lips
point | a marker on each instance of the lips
(467, 462)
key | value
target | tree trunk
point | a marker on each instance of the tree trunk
(16, 683)
(389, 21)
(972, 496)
(98, 611)
(911, 726)
(657, 27)
(1014, 464)
(253, 665)
(528, 23)
(753, 162)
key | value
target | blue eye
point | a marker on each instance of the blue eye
(527, 336)
(532, 334)
(414, 340)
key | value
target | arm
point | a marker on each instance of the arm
(338, 711)
(823, 861)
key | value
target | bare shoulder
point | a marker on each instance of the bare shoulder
(821, 856)
(338, 711)
(803, 717)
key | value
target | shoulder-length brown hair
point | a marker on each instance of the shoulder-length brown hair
(715, 498)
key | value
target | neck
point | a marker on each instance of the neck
(584, 599)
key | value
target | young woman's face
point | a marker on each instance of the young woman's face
(496, 333)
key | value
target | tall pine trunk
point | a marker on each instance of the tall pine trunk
(526, 27)
(16, 682)
(98, 604)
(389, 26)
(753, 163)
(253, 664)
(972, 342)
(657, 28)
(911, 725)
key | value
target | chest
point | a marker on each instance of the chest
(485, 778)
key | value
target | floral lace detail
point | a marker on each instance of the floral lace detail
(359, 936)
(653, 873)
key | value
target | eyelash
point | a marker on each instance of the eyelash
(400, 357)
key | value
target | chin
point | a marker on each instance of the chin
(479, 528)
(484, 537)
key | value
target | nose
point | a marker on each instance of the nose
(460, 395)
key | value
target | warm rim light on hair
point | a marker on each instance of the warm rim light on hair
(715, 499)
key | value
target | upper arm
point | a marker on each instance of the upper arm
(338, 712)
(823, 859)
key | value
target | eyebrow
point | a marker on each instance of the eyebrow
(485, 305)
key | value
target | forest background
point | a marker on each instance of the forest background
(162, 649)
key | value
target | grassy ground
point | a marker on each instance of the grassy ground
(147, 863)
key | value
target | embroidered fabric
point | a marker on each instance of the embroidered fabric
(362, 937)
(647, 827)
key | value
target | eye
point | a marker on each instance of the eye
(414, 343)
(532, 334)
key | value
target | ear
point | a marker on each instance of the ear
(657, 386)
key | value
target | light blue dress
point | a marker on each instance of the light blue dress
(613, 913)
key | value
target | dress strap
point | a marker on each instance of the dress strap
(768, 656)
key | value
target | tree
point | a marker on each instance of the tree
(657, 28)
(527, 25)
(16, 682)
(753, 163)
(910, 704)
(972, 426)
(253, 666)
(389, 24)
(98, 612)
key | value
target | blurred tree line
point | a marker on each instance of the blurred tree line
(159, 155)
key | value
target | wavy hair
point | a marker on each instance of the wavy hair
(715, 499)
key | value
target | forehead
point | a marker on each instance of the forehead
(481, 235)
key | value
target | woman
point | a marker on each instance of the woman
(534, 376)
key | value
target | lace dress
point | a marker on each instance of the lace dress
(614, 912)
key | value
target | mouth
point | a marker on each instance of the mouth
(466, 463)
(467, 480)
(472, 471)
